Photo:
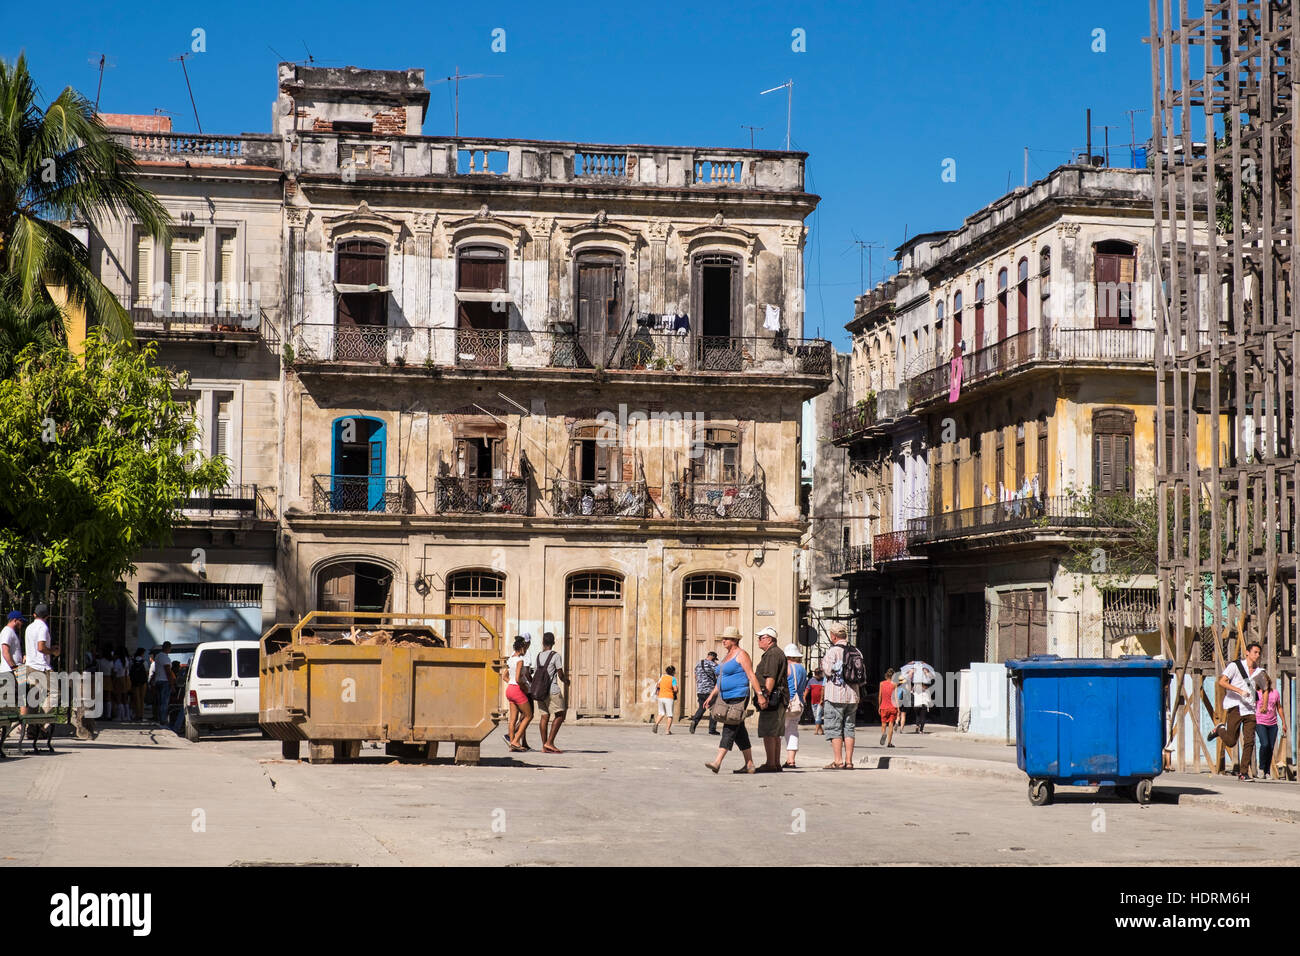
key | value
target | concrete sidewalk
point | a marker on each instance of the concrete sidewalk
(942, 750)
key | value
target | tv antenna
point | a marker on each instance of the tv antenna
(456, 78)
(104, 63)
(182, 58)
(868, 246)
(788, 86)
(1132, 132)
(751, 132)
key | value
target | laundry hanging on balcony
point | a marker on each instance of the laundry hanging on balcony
(954, 378)
(772, 318)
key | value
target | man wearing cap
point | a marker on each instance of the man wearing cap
(11, 655)
(772, 697)
(841, 701)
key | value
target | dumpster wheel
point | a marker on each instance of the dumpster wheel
(1040, 792)
(1142, 792)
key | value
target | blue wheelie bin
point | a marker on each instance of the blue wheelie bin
(1090, 722)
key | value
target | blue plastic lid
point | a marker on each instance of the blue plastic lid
(1050, 662)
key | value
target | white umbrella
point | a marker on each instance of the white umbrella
(917, 672)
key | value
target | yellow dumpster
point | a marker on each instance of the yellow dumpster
(336, 687)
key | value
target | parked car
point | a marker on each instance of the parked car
(221, 691)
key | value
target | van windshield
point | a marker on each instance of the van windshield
(247, 661)
(214, 663)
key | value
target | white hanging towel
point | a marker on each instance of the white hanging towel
(772, 318)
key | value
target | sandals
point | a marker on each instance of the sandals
(750, 769)
(788, 766)
(833, 766)
(711, 766)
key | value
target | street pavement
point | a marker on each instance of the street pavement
(619, 795)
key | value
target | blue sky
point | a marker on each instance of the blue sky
(883, 94)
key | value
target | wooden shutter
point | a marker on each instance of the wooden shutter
(221, 445)
(1042, 458)
(1107, 286)
(143, 276)
(226, 275)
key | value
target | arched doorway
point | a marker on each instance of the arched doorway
(711, 603)
(482, 592)
(354, 586)
(595, 637)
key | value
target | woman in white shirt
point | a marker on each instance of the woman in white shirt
(521, 708)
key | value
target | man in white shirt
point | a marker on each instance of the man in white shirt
(39, 651)
(1241, 693)
(11, 656)
(160, 675)
(555, 707)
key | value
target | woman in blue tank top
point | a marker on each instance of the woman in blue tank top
(735, 678)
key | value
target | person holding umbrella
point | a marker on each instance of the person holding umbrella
(921, 676)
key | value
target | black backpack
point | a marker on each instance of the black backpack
(139, 673)
(854, 669)
(539, 682)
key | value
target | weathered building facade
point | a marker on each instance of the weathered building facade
(1035, 408)
(554, 384)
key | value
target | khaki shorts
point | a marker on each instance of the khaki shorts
(555, 704)
(665, 706)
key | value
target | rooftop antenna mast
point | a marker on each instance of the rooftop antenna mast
(104, 63)
(867, 246)
(751, 132)
(456, 78)
(190, 88)
(788, 86)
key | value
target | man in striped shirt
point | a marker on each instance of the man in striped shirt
(706, 678)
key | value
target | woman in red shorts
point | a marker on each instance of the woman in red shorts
(888, 709)
(521, 708)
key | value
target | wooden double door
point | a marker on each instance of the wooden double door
(595, 660)
(704, 622)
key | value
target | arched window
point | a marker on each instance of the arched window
(979, 316)
(1116, 270)
(711, 587)
(1002, 304)
(595, 586)
(476, 585)
(598, 292)
(1022, 294)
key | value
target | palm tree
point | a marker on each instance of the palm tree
(61, 165)
(40, 324)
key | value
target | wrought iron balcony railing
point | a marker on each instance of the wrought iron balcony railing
(641, 350)
(856, 557)
(481, 496)
(603, 499)
(347, 494)
(1049, 512)
(890, 546)
(1033, 346)
(853, 420)
(715, 501)
(233, 323)
(248, 501)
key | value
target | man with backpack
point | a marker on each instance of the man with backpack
(845, 672)
(548, 684)
(1238, 680)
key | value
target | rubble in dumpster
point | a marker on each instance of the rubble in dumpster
(376, 638)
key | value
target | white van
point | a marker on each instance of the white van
(221, 690)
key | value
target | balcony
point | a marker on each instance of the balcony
(361, 494)
(201, 149)
(501, 496)
(1063, 511)
(718, 501)
(232, 501)
(601, 499)
(890, 546)
(236, 326)
(1134, 347)
(326, 345)
(856, 557)
(851, 422)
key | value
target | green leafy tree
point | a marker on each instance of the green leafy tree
(61, 165)
(38, 324)
(96, 458)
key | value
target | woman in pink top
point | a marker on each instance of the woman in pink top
(1266, 722)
